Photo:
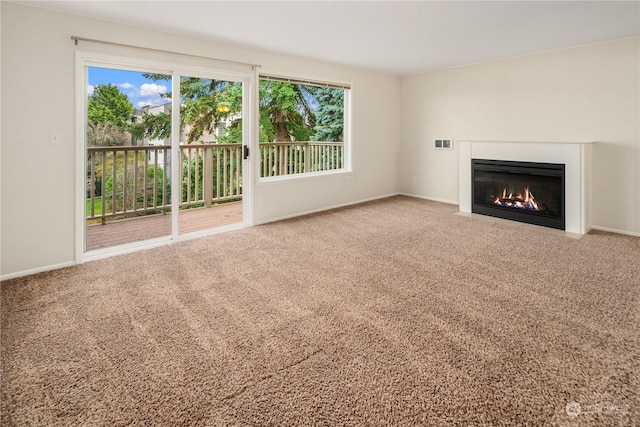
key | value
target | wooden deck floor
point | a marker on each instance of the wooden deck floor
(152, 226)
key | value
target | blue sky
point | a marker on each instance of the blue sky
(140, 90)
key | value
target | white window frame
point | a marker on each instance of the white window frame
(347, 151)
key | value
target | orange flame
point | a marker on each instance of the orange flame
(522, 201)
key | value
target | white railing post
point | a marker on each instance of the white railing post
(208, 176)
(307, 157)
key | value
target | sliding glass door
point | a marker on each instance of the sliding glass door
(163, 153)
(210, 152)
(128, 157)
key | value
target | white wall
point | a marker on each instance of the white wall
(38, 179)
(589, 93)
(584, 94)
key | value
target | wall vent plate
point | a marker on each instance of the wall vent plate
(443, 144)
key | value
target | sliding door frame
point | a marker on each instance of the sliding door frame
(218, 71)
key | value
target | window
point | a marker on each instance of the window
(303, 126)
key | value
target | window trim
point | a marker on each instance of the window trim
(346, 168)
(308, 82)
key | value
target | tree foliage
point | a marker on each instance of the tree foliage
(288, 111)
(152, 126)
(108, 105)
(105, 135)
(108, 113)
(330, 115)
(158, 190)
(204, 103)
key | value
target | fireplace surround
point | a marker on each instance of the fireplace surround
(576, 157)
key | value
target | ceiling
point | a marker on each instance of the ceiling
(397, 37)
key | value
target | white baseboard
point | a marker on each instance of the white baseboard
(133, 247)
(37, 270)
(125, 249)
(433, 199)
(615, 230)
(161, 242)
(327, 208)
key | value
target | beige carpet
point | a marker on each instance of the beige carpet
(395, 312)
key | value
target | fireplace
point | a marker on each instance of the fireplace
(528, 192)
(575, 202)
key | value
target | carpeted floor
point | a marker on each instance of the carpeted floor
(395, 312)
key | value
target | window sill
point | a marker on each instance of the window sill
(272, 180)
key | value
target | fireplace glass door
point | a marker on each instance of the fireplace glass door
(520, 191)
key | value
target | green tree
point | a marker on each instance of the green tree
(232, 99)
(329, 115)
(108, 105)
(286, 113)
(204, 104)
(152, 126)
(286, 110)
(108, 113)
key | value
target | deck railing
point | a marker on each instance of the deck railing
(211, 173)
(131, 181)
(127, 180)
(285, 158)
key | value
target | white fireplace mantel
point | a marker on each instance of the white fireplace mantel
(575, 156)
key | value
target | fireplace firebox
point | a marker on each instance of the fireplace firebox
(520, 191)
